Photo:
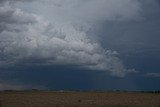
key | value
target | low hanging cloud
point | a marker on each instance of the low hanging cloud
(13, 86)
(26, 36)
(4, 86)
(152, 74)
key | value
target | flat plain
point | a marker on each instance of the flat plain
(79, 99)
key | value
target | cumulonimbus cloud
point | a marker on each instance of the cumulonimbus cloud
(25, 36)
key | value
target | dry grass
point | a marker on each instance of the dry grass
(78, 99)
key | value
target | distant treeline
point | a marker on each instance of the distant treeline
(150, 92)
(37, 90)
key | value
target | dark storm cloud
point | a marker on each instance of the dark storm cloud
(135, 36)
(26, 36)
(48, 33)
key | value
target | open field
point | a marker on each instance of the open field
(78, 99)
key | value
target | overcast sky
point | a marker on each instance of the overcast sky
(80, 44)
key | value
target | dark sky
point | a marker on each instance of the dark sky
(80, 44)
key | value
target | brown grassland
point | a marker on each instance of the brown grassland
(79, 99)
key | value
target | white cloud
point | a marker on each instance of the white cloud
(29, 36)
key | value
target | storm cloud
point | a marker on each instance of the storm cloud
(57, 34)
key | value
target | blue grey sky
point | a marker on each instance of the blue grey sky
(80, 44)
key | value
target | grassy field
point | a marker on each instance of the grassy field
(78, 99)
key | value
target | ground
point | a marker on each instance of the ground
(78, 99)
